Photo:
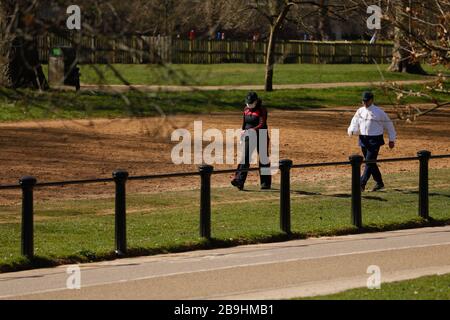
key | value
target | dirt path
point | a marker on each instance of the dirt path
(173, 88)
(69, 149)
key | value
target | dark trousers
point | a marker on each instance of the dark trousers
(371, 169)
(241, 176)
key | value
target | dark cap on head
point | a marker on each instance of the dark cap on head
(251, 97)
(367, 96)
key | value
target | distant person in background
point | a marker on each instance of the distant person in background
(370, 122)
(192, 35)
(223, 35)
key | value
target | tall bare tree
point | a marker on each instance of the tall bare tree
(19, 59)
(404, 57)
(425, 37)
(324, 20)
(276, 12)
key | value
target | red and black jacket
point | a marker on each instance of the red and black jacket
(255, 118)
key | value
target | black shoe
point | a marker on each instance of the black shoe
(238, 185)
(378, 187)
(265, 187)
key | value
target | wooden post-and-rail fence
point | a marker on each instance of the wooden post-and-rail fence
(145, 49)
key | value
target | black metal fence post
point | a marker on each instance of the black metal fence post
(356, 161)
(120, 178)
(424, 158)
(27, 246)
(205, 200)
(285, 196)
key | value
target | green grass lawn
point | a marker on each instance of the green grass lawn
(27, 105)
(425, 288)
(241, 74)
(73, 231)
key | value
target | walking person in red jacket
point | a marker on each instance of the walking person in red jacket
(255, 118)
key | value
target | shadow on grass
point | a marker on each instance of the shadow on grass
(204, 244)
(337, 195)
(431, 194)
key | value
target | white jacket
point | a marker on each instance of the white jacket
(372, 121)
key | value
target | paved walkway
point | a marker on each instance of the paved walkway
(266, 271)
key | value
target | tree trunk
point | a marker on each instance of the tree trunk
(401, 58)
(5, 49)
(211, 18)
(270, 60)
(324, 21)
(19, 58)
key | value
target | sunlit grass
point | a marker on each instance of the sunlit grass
(81, 230)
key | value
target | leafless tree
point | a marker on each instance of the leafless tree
(277, 12)
(423, 29)
(19, 60)
(404, 58)
(422, 34)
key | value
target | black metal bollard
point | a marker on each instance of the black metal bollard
(27, 246)
(356, 161)
(205, 200)
(424, 158)
(120, 178)
(285, 196)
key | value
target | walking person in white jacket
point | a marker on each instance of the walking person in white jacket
(370, 122)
